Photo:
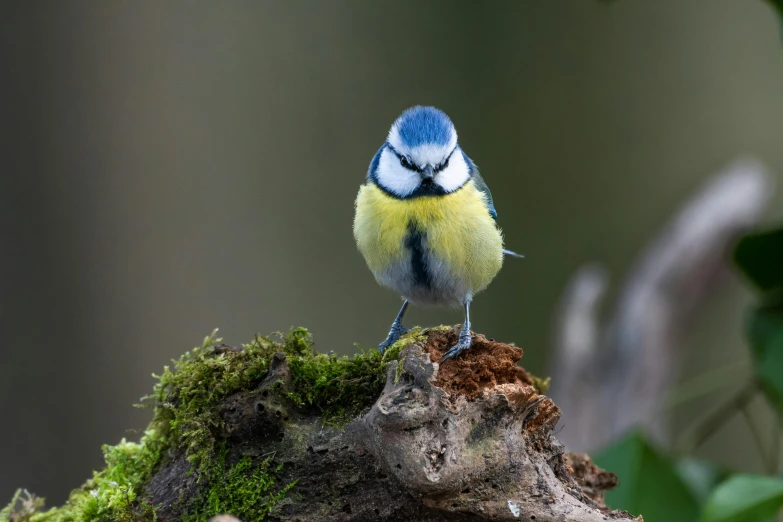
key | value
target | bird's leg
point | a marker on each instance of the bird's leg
(465, 337)
(397, 329)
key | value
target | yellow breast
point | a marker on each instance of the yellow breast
(458, 228)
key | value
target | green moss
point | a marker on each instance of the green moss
(186, 400)
(541, 384)
(341, 387)
(112, 495)
(185, 397)
(23, 506)
(244, 490)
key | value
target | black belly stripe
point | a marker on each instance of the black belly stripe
(414, 242)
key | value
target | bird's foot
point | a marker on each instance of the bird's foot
(397, 331)
(464, 342)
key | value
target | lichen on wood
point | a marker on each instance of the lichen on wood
(274, 430)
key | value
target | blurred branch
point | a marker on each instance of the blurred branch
(577, 348)
(755, 429)
(609, 378)
(708, 426)
(705, 384)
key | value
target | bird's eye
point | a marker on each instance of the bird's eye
(408, 164)
(442, 165)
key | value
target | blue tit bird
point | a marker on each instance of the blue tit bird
(425, 220)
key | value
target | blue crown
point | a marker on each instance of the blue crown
(424, 125)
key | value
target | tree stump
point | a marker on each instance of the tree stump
(470, 440)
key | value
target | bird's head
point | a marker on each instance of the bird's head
(421, 156)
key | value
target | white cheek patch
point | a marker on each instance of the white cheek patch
(394, 177)
(455, 175)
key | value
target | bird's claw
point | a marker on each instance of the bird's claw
(464, 342)
(397, 331)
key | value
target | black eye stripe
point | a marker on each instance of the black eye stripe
(445, 162)
(443, 165)
(406, 163)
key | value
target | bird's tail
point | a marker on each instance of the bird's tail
(513, 254)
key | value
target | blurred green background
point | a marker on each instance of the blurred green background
(172, 167)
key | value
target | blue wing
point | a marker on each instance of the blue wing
(481, 185)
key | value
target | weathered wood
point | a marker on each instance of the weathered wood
(237, 432)
(480, 449)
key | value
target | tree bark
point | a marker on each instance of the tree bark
(472, 440)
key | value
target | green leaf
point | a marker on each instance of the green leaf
(744, 498)
(777, 5)
(700, 476)
(770, 373)
(760, 257)
(765, 334)
(649, 483)
(764, 329)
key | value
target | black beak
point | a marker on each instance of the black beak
(427, 173)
